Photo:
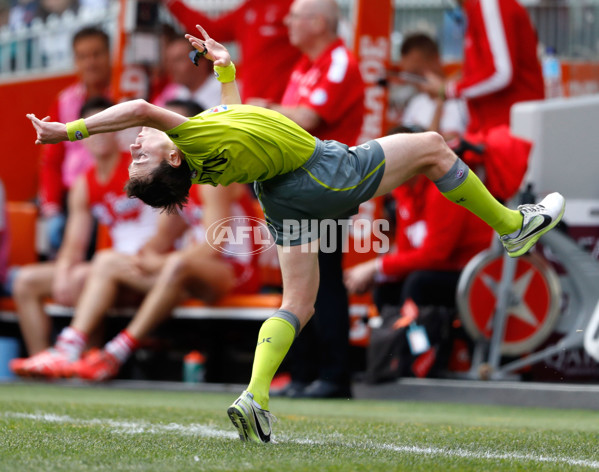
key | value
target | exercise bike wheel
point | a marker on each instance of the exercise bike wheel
(532, 309)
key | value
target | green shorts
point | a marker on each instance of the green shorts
(330, 185)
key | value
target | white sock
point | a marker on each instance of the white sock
(122, 346)
(71, 342)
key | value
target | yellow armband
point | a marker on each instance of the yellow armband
(76, 130)
(225, 74)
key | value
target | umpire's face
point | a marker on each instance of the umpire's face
(150, 148)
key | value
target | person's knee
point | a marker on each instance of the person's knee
(435, 146)
(438, 156)
(107, 263)
(176, 269)
(26, 283)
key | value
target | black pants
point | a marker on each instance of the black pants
(425, 287)
(321, 351)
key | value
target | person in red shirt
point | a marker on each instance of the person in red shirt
(97, 193)
(325, 96)
(501, 65)
(60, 165)
(155, 276)
(257, 27)
(434, 241)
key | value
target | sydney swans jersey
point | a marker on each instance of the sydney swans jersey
(241, 143)
(130, 221)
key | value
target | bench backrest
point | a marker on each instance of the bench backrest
(22, 220)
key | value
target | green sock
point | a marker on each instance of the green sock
(274, 340)
(470, 193)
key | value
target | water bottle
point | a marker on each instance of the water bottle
(193, 367)
(552, 74)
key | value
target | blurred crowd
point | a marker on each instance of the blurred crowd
(292, 60)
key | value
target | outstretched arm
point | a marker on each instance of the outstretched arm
(118, 117)
(217, 53)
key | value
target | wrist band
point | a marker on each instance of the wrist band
(77, 130)
(225, 74)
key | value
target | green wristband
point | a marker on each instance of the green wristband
(225, 74)
(76, 130)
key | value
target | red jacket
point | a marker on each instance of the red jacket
(433, 233)
(332, 86)
(267, 57)
(501, 65)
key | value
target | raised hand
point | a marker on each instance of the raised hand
(48, 132)
(209, 48)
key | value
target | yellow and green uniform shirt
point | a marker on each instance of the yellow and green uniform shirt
(241, 143)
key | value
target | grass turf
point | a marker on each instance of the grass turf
(60, 428)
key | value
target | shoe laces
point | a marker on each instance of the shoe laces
(530, 208)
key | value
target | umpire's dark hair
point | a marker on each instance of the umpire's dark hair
(420, 42)
(89, 32)
(191, 107)
(167, 187)
(94, 103)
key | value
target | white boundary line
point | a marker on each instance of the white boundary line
(208, 431)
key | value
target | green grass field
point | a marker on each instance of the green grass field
(47, 428)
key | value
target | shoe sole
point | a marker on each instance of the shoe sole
(532, 241)
(239, 422)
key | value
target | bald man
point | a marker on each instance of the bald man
(325, 96)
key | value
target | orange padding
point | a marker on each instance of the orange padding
(22, 219)
(7, 304)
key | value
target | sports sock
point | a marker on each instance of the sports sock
(274, 340)
(122, 346)
(463, 187)
(71, 342)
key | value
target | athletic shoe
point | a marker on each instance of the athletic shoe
(252, 422)
(97, 365)
(50, 363)
(537, 220)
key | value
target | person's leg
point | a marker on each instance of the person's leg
(299, 269)
(32, 284)
(189, 271)
(431, 287)
(331, 321)
(31, 287)
(386, 294)
(208, 277)
(407, 155)
(110, 271)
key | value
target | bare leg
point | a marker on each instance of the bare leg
(32, 284)
(110, 270)
(407, 155)
(184, 273)
(299, 268)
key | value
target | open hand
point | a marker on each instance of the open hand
(209, 48)
(48, 132)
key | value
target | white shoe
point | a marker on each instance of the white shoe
(252, 422)
(537, 220)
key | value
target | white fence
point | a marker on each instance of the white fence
(572, 27)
